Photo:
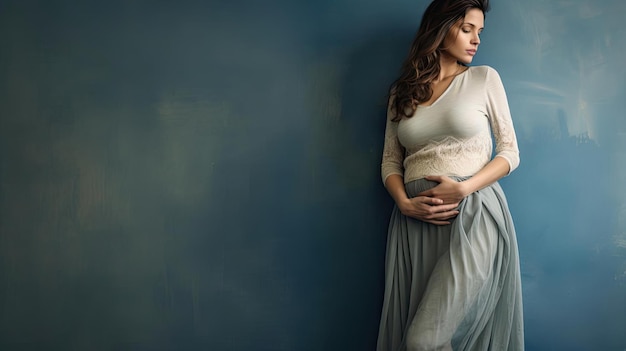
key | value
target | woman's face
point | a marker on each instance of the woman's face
(463, 39)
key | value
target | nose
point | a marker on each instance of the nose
(476, 39)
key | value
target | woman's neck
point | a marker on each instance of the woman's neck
(448, 68)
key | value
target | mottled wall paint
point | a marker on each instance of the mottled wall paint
(204, 175)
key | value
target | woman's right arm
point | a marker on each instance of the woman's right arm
(427, 209)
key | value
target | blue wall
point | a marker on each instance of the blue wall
(204, 175)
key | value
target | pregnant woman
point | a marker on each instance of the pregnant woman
(452, 266)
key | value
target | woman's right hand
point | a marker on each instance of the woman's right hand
(428, 209)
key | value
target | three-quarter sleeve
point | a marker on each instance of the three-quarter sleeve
(393, 151)
(500, 119)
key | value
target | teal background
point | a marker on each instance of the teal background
(204, 175)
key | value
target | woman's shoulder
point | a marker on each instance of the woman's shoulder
(484, 73)
(483, 70)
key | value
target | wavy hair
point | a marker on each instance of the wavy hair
(422, 65)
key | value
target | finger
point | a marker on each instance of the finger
(428, 200)
(443, 215)
(434, 201)
(444, 208)
(454, 206)
(451, 216)
(437, 179)
(428, 193)
(452, 213)
(438, 222)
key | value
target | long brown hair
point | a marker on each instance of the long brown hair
(422, 65)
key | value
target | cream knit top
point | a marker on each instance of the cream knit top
(452, 136)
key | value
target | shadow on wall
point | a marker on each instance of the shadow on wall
(346, 98)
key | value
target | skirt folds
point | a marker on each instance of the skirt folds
(453, 287)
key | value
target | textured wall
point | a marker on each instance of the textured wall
(205, 175)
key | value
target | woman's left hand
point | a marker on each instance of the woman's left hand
(448, 190)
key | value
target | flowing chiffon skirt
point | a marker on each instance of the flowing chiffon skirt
(453, 287)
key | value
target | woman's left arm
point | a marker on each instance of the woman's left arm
(507, 152)
(451, 191)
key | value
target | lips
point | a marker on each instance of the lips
(471, 52)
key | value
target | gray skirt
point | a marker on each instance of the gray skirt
(453, 287)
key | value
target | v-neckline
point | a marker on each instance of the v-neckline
(445, 91)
